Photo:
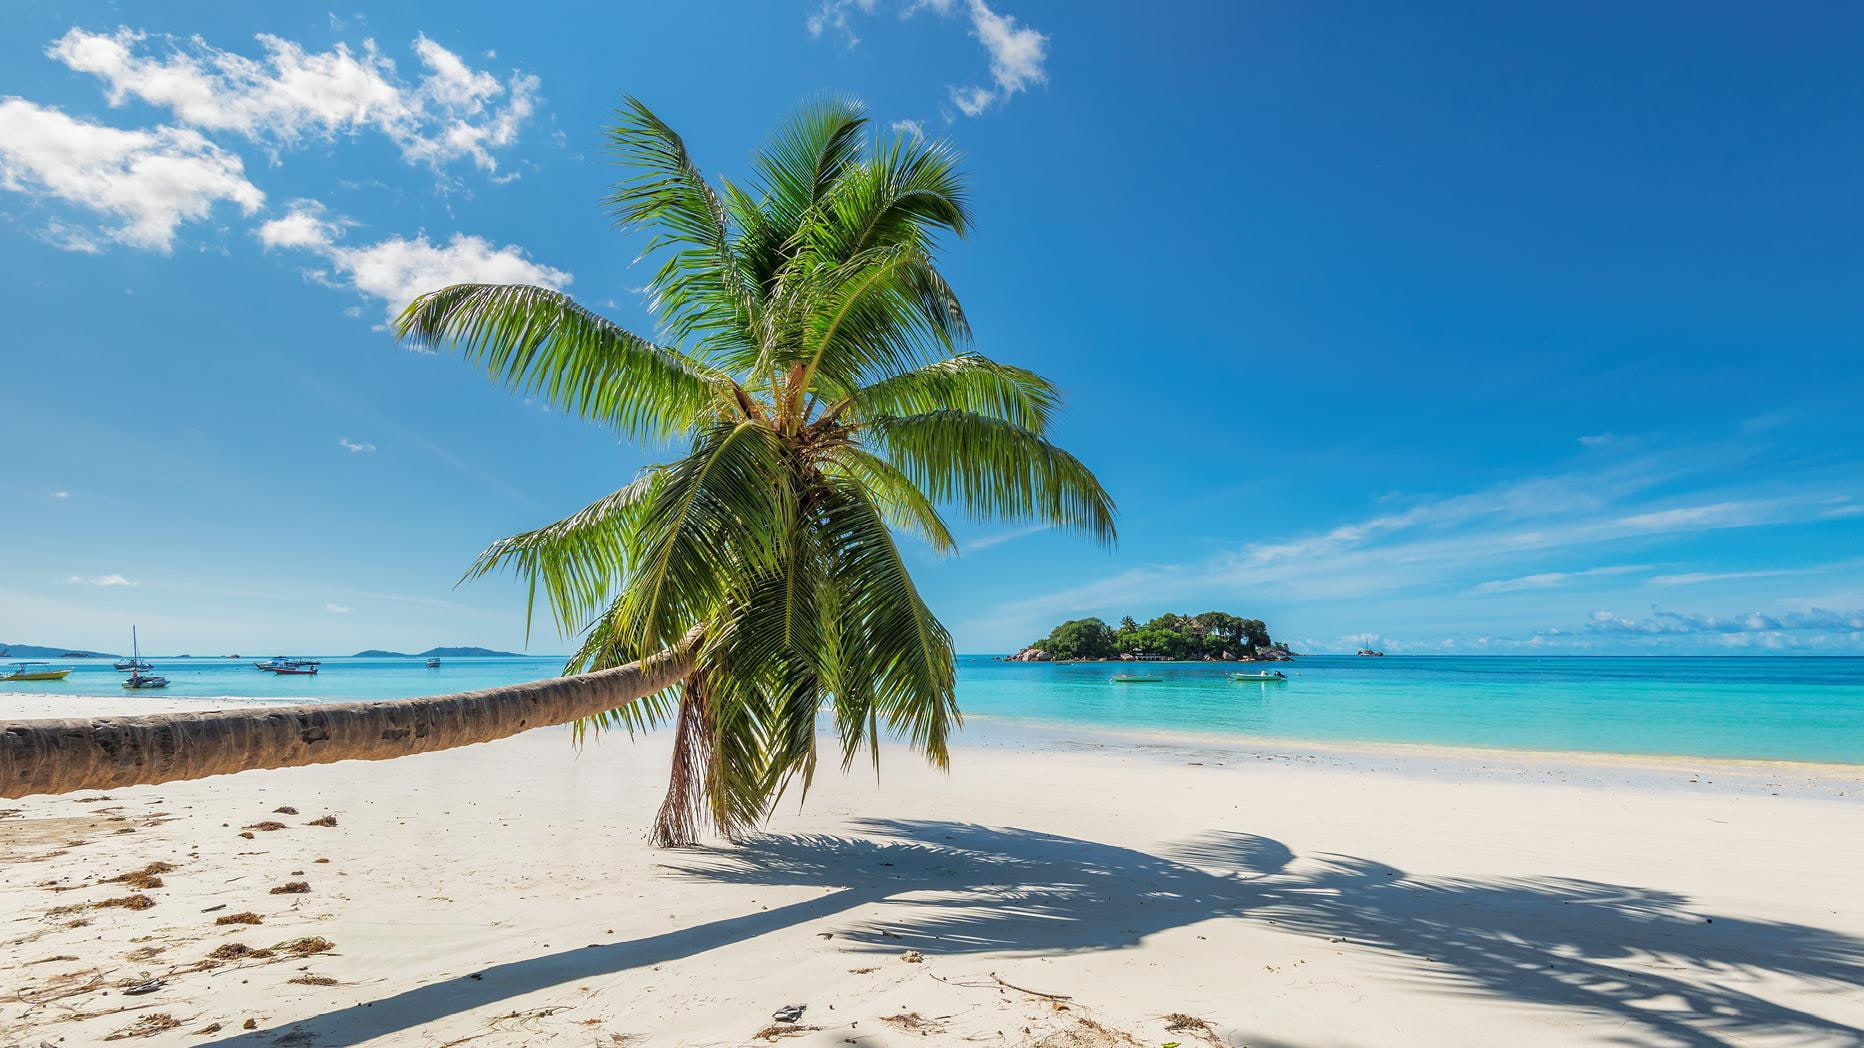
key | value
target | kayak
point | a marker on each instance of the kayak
(1122, 678)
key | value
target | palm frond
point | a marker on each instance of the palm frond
(540, 343)
(578, 561)
(906, 660)
(700, 289)
(969, 382)
(996, 470)
(719, 514)
(901, 502)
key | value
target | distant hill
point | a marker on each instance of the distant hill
(35, 651)
(450, 653)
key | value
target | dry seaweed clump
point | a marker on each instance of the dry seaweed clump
(147, 1026)
(314, 980)
(307, 946)
(1179, 1022)
(127, 902)
(914, 1022)
(265, 827)
(237, 951)
(328, 820)
(244, 917)
(292, 888)
(149, 876)
(284, 809)
(778, 1031)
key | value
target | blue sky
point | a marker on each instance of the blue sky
(1461, 328)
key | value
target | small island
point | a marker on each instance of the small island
(1213, 636)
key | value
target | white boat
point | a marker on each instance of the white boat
(138, 679)
(433, 663)
(1271, 676)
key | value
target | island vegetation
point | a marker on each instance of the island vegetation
(1213, 636)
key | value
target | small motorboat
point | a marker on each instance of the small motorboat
(433, 663)
(142, 681)
(296, 669)
(35, 671)
(1130, 678)
(1271, 676)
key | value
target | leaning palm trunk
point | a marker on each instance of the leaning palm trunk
(99, 753)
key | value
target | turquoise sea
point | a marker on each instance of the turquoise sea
(1801, 709)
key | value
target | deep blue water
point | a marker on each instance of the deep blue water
(1763, 708)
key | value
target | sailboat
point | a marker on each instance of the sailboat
(137, 678)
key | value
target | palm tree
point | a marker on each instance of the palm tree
(814, 371)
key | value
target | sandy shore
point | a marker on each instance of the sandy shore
(1056, 891)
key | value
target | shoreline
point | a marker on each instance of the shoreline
(1064, 736)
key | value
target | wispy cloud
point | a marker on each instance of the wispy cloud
(61, 494)
(1551, 579)
(987, 541)
(338, 609)
(354, 446)
(1429, 552)
(98, 580)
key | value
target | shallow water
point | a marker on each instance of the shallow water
(1760, 708)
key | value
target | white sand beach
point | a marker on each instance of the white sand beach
(1038, 894)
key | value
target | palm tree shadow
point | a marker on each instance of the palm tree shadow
(956, 888)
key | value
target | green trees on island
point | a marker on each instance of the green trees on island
(1210, 635)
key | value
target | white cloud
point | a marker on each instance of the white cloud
(972, 101)
(398, 269)
(909, 127)
(1551, 579)
(61, 494)
(354, 446)
(1017, 54)
(289, 95)
(1598, 440)
(338, 609)
(98, 580)
(150, 181)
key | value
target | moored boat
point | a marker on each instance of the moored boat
(138, 679)
(21, 671)
(433, 663)
(296, 669)
(1129, 678)
(1270, 676)
(133, 665)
